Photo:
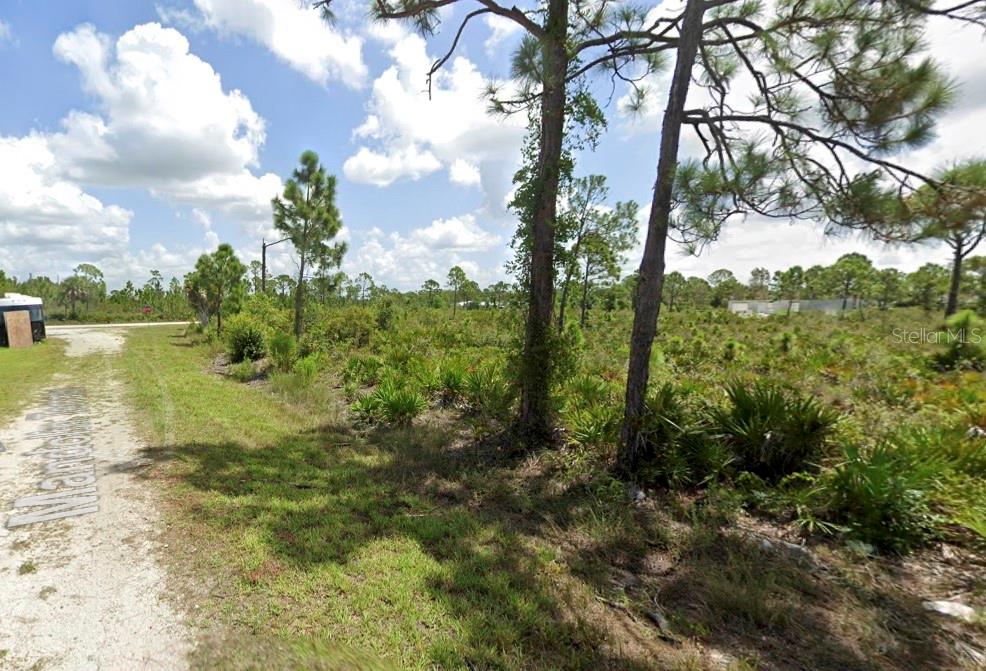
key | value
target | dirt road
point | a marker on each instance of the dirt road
(80, 583)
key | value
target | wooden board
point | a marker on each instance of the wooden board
(18, 328)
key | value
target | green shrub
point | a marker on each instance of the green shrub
(487, 391)
(593, 425)
(393, 402)
(962, 349)
(882, 495)
(385, 315)
(244, 338)
(327, 328)
(786, 342)
(399, 404)
(772, 432)
(362, 369)
(586, 390)
(451, 382)
(282, 348)
(732, 350)
(367, 408)
(243, 371)
(678, 450)
(306, 369)
(266, 310)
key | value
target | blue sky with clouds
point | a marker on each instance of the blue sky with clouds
(137, 135)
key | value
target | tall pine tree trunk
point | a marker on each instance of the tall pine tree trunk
(299, 298)
(534, 422)
(585, 294)
(952, 304)
(563, 300)
(651, 277)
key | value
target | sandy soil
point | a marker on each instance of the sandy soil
(84, 590)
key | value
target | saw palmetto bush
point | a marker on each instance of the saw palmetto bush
(362, 369)
(680, 450)
(883, 495)
(451, 382)
(392, 402)
(772, 431)
(488, 392)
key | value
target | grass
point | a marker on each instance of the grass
(316, 545)
(25, 371)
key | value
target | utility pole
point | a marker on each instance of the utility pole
(263, 262)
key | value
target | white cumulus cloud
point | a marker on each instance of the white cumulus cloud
(164, 122)
(47, 221)
(464, 173)
(405, 261)
(295, 33)
(408, 134)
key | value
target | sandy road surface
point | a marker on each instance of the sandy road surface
(80, 586)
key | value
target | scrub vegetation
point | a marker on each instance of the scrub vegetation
(357, 499)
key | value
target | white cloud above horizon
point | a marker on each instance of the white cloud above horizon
(406, 261)
(408, 134)
(292, 31)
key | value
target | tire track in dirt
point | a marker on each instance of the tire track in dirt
(81, 586)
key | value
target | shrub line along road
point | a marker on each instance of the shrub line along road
(82, 588)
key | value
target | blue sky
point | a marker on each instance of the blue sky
(136, 135)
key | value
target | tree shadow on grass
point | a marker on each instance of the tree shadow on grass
(325, 498)
(497, 532)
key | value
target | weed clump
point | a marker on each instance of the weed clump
(283, 348)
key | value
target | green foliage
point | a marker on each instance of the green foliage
(393, 402)
(216, 285)
(362, 369)
(772, 432)
(488, 392)
(882, 495)
(329, 329)
(244, 339)
(306, 369)
(680, 452)
(385, 315)
(962, 338)
(451, 382)
(282, 348)
(585, 390)
(244, 371)
(307, 215)
(265, 309)
(400, 404)
(594, 425)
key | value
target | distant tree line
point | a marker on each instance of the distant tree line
(851, 279)
(83, 295)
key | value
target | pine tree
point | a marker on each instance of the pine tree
(307, 215)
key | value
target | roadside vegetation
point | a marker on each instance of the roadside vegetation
(25, 371)
(353, 497)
